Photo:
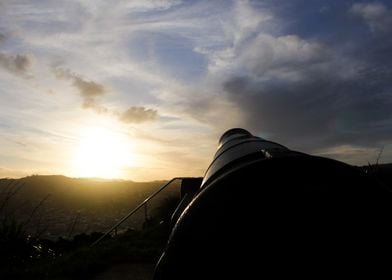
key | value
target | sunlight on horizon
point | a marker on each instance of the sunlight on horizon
(102, 153)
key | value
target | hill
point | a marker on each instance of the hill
(54, 206)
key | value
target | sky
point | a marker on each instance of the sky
(142, 89)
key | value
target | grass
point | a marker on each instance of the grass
(23, 256)
(75, 259)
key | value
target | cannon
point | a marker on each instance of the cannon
(263, 210)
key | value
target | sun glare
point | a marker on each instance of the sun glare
(102, 153)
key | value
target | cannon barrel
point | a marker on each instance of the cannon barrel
(263, 209)
(237, 146)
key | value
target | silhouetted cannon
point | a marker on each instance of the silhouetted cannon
(263, 210)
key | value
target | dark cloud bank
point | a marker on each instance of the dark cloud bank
(312, 96)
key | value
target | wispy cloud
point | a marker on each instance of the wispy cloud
(148, 5)
(138, 115)
(19, 64)
(90, 91)
(376, 15)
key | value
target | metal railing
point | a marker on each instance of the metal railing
(135, 209)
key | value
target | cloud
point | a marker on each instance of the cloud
(136, 114)
(315, 112)
(281, 55)
(286, 70)
(354, 154)
(311, 94)
(241, 25)
(376, 15)
(19, 64)
(308, 95)
(90, 91)
(148, 5)
(245, 20)
(87, 89)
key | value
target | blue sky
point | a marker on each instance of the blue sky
(168, 77)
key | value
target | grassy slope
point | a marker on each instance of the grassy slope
(26, 257)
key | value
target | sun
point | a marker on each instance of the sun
(102, 153)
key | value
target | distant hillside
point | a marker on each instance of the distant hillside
(63, 206)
